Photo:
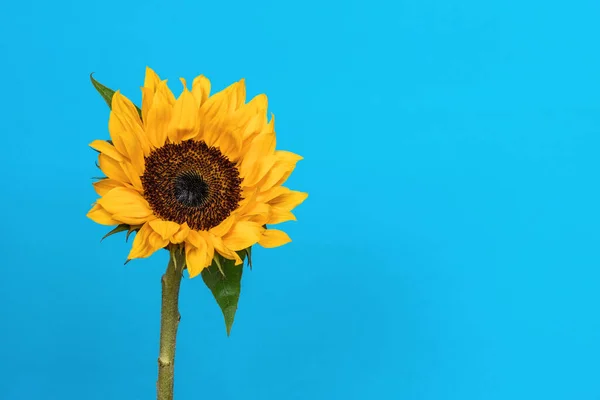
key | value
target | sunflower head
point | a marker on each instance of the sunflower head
(200, 171)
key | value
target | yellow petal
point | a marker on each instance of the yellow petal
(113, 169)
(259, 148)
(196, 239)
(210, 114)
(159, 116)
(201, 89)
(229, 144)
(258, 171)
(288, 200)
(151, 83)
(147, 100)
(208, 132)
(260, 219)
(273, 238)
(239, 94)
(163, 88)
(126, 205)
(200, 240)
(182, 234)
(235, 95)
(183, 121)
(242, 235)
(126, 109)
(100, 216)
(133, 175)
(124, 125)
(128, 114)
(255, 211)
(210, 252)
(195, 259)
(278, 215)
(108, 149)
(270, 194)
(103, 186)
(281, 170)
(251, 118)
(224, 227)
(267, 128)
(281, 196)
(122, 131)
(116, 130)
(140, 247)
(249, 204)
(214, 105)
(146, 243)
(151, 79)
(216, 109)
(156, 241)
(224, 251)
(166, 229)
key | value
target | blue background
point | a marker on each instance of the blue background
(449, 246)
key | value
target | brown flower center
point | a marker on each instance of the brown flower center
(191, 182)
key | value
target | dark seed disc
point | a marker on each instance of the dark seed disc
(191, 182)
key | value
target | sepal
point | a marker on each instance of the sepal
(107, 93)
(121, 228)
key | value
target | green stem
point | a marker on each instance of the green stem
(169, 320)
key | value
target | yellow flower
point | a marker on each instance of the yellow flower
(198, 170)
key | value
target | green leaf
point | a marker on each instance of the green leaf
(131, 230)
(217, 262)
(225, 286)
(122, 228)
(248, 252)
(119, 228)
(107, 93)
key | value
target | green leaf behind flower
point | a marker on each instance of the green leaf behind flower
(123, 227)
(131, 230)
(248, 252)
(107, 93)
(225, 286)
(119, 228)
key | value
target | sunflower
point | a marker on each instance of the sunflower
(200, 171)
